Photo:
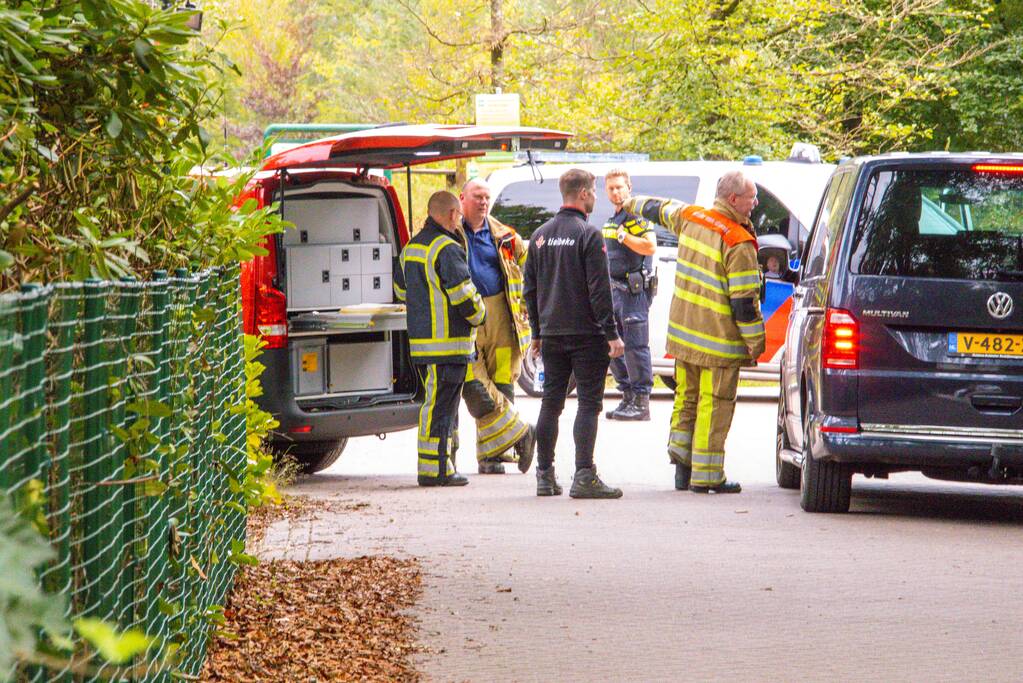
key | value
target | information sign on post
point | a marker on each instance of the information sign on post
(500, 109)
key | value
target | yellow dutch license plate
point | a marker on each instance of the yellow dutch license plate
(977, 344)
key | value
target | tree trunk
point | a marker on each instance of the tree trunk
(497, 39)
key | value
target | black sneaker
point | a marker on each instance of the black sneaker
(547, 483)
(586, 484)
(724, 487)
(682, 475)
(626, 401)
(490, 466)
(526, 448)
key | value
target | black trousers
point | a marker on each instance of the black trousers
(438, 418)
(586, 357)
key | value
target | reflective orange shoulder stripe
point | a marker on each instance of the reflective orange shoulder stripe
(731, 232)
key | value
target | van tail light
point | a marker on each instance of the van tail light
(1007, 169)
(264, 307)
(841, 340)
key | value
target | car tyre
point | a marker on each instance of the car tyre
(785, 473)
(825, 486)
(316, 456)
(669, 381)
(527, 373)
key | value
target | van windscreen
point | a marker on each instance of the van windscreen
(953, 223)
(526, 205)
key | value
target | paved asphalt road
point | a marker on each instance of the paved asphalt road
(920, 582)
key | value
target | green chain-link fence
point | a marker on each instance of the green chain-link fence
(122, 435)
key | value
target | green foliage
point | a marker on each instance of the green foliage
(103, 145)
(675, 78)
(114, 646)
(256, 482)
(24, 608)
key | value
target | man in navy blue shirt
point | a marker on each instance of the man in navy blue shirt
(496, 255)
(631, 244)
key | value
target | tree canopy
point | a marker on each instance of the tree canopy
(675, 78)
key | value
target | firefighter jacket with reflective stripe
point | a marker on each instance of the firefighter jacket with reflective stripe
(443, 304)
(715, 318)
(511, 252)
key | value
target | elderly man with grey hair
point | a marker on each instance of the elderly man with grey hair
(496, 254)
(715, 325)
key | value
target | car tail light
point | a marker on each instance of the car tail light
(264, 307)
(841, 340)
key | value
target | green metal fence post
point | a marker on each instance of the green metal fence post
(100, 519)
(8, 398)
(62, 364)
(35, 305)
(157, 559)
(129, 494)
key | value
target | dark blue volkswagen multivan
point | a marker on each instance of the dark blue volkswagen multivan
(904, 348)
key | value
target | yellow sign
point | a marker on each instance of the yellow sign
(310, 361)
(497, 110)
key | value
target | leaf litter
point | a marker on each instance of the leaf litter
(326, 620)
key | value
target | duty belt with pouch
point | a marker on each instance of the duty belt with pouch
(637, 281)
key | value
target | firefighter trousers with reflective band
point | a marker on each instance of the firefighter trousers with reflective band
(438, 418)
(489, 382)
(704, 405)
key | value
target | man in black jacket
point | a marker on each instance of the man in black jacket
(573, 329)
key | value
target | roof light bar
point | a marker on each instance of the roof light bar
(1012, 169)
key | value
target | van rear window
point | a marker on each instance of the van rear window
(526, 205)
(952, 223)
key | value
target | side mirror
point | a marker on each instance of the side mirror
(773, 256)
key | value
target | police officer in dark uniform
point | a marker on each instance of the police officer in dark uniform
(631, 243)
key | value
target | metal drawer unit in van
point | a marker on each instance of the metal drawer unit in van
(331, 276)
(323, 368)
(323, 276)
(362, 367)
(318, 220)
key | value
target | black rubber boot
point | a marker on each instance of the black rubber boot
(547, 483)
(490, 466)
(586, 484)
(627, 397)
(682, 475)
(526, 449)
(454, 479)
(638, 410)
(723, 487)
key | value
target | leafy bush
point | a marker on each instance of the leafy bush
(103, 145)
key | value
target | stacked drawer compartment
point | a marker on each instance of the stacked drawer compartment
(337, 256)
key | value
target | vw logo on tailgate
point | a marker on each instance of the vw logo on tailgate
(999, 305)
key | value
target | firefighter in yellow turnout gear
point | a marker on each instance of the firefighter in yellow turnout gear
(495, 255)
(715, 325)
(443, 310)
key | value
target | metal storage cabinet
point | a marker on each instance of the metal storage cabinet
(361, 366)
(376, 258)
(309, 277)
(346, 259)
(309, 366)
(377, 288)
(331, 221)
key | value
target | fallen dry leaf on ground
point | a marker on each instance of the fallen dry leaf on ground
(331, 620)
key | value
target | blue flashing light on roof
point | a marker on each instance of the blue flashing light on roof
(753, 160)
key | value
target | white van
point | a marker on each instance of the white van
(527, 196)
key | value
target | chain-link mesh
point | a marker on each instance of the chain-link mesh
(122, 436)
